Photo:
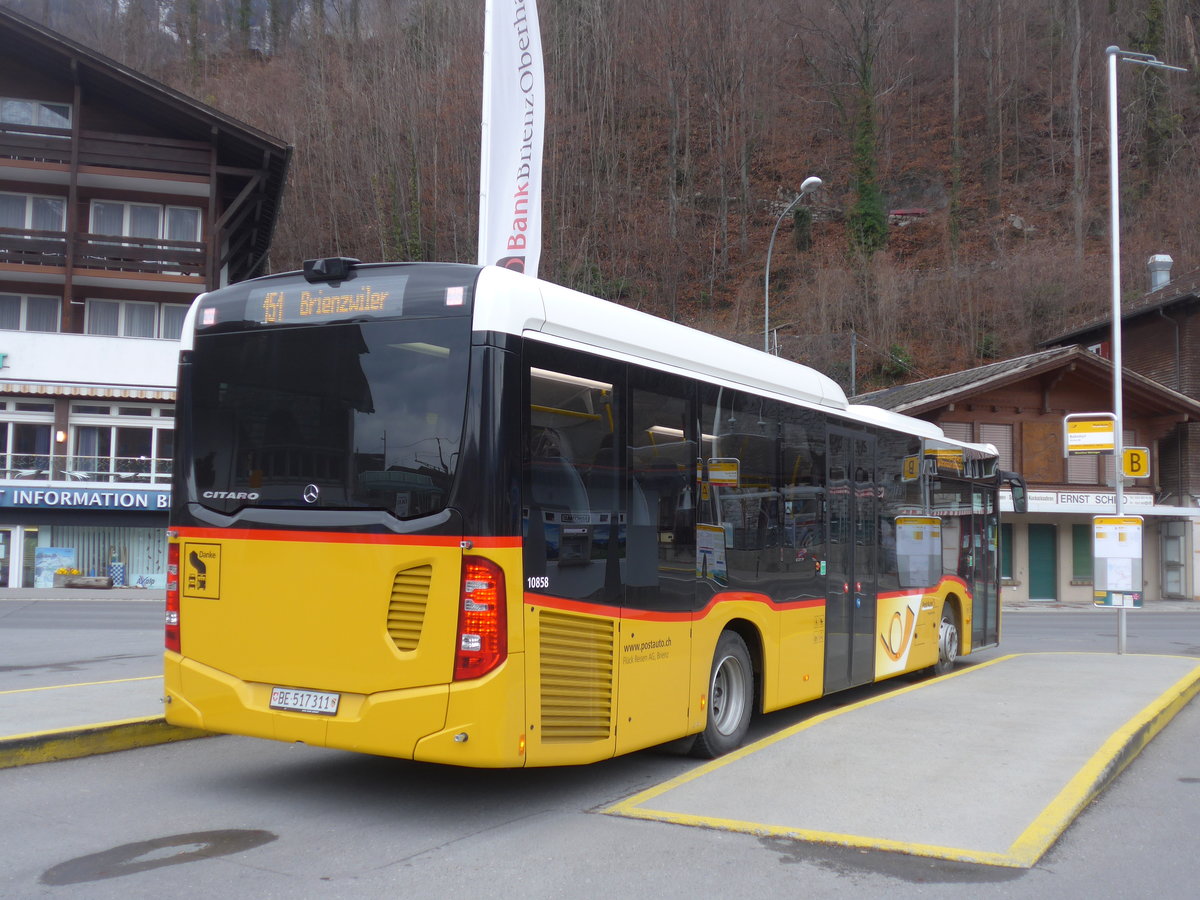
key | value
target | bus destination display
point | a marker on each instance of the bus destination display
(284, 301)
(271, 306)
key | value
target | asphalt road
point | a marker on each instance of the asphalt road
(1095, 631)
(222, 817)
(44, 643)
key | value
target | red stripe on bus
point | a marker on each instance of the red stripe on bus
(339, 537)
(916, 592)
(652, 615)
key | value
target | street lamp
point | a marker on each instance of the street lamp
(1116, 54)
(810, 184)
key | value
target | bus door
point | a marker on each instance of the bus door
(980, 554)
(852, 551)
(658, 561)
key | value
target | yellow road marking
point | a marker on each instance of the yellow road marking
(55, 687)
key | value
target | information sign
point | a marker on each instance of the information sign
(1089, 434)
(1117, 554)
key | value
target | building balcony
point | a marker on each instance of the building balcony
(106, 253)
(42, 470)
(54, 146)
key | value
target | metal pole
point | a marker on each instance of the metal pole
(1114, 195)
(767, 277)
(810, 184)
(853, 362)
(1142, 59)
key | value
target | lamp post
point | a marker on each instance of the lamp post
(1116, 54)
(810, 184)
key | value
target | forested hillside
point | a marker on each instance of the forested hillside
(679, 130)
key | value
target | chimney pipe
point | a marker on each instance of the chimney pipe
(1159, 267)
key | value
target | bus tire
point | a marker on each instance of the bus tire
(730, 698)
(948, 641)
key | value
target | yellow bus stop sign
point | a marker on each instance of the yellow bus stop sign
(1088, 434)
(1135, 462)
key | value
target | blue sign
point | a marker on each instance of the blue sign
(84, 498)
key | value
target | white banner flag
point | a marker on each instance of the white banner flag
(510, 182)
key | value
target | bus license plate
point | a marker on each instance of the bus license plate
(316, 702)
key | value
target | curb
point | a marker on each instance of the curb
(1121, 749)
(1151, 606)
(103, 737)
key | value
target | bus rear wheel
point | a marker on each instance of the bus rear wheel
(948, 642)
(730, 698)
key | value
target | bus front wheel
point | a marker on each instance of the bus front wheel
(948, 641)
(730, 698)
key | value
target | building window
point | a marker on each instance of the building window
(1002, 437)
(29, 212)
(134, 318)
(1081, 553)
(15, 111)
(1006, 551)
(958, 431)
(145, 220)
(119, 449)
(171, 316)
(20, 312)
(125, 318)
(1083, 470)
(25, 449)
(84, 410)
(182, 223)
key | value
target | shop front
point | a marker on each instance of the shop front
(114, 534)
(1048, 556)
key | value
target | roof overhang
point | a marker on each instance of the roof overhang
(928, 396)
(107, 392)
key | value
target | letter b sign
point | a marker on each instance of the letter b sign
(1135, 462)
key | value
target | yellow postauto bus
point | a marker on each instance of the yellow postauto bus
(456, 514)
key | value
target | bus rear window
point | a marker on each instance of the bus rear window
(361, 415)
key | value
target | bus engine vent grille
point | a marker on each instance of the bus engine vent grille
(576, 673)
(406, 611)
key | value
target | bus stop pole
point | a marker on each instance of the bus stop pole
(1115, 230)
(1141, 59)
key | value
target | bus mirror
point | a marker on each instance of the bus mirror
(1020, 494)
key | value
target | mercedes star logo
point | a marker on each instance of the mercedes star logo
(311, 494)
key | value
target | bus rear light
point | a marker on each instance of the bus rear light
(482, 620)
(171, 633)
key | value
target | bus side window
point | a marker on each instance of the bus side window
(897, 496)
(802, 552)
(749, 506)
(573, 515)
(661, 472)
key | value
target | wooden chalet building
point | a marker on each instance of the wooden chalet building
(1019, 405)
(120, 200)
(1160, 339)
